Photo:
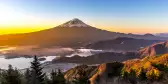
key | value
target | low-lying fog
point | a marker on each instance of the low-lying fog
(36, 50)
(19, 56)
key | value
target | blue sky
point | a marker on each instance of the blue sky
(112, 15)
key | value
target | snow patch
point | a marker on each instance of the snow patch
(74, 23)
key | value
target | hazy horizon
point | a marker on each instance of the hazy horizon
(131, 16)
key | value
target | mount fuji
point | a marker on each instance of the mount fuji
(73, 33)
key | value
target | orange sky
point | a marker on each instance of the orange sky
(16, 19)
(115, 28)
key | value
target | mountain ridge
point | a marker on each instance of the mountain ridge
(149, 70)
(154, 49)
(122, 44)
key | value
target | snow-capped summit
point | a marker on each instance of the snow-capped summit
(74, 23)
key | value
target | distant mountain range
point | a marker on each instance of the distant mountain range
(122, 44)
(73, 33)
(155, 49)
(162, 34)
(99, 58)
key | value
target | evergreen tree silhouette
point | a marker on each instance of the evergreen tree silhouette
(57, 77)
(37, 76)
(27, 76)
(11, 76)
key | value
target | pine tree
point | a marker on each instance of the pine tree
(27, 76)
(142, 75)
(60, 76)
(53, 76)
(98, 79)
(37, 76)
(11, 76)
(132, 77)
(47, 80)
(57, 77)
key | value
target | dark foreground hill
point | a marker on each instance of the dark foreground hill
(149, 70)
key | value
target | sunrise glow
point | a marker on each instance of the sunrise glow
(23, 16)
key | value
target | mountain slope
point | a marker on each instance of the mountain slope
(74, 72)
(154, 49)
(98, 58)
(122, 44)
(149, 70)
(72, 33)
